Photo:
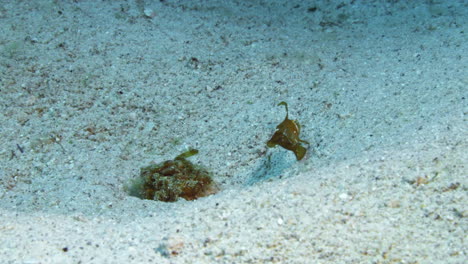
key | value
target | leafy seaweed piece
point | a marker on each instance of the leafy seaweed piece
(173, 179)
(287, 136)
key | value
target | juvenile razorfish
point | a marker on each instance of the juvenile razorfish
(287, 136)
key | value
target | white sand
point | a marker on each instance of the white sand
(91, 91)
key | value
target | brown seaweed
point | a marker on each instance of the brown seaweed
(173, 179)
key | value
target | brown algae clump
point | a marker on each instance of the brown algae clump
(171, 179)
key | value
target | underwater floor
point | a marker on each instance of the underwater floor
(94, 91)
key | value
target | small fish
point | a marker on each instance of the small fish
(287, 136)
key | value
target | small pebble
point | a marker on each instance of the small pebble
(344, 196)
(149, 13)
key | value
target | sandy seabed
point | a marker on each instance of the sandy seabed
(92, 91)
